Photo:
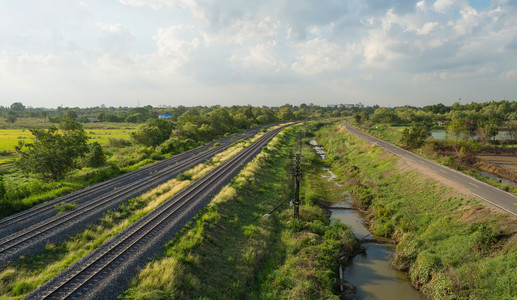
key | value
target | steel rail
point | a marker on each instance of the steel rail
(10, 243)
(144, 228)
(108, 184)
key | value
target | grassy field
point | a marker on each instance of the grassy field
(9, 138)
(452, 247)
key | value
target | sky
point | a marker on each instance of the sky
(270, 52)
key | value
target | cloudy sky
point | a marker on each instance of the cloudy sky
(268, 52)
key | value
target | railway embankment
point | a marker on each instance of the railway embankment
(231, 251)
(17, 279)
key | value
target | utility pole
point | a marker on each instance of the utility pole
(298, 175)
(300, 142)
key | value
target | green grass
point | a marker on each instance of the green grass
(451, 246)
(250, 254)
(16, 280)
(9, 138)
(393, 134)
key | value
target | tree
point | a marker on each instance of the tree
(17, 107)
(457, 130)
(285, 113)
(415, 136)
(70, 114)
(357, 118)
(53, 152)
(96, 156)
(153, 133)
(465, 149)
(10, 118)
(385, 116)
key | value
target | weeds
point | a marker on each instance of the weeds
(64, 206)
(251, 255)
(448, 244)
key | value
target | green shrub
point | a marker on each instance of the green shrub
(2, 188)
(184, 176)
(64, 206)
(484, 236)
(96, 156)
(156, 156)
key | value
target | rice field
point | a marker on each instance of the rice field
(9, 138)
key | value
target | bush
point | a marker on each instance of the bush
(184, 176)
(156, 156)
(96, 156)
(64, 206)
(118, 142)
(484, 236)
(2, 188)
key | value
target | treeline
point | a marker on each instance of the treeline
(257, 115)
(472, 114)
(469, 128)
(56, 151)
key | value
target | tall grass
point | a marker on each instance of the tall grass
(248, 253)
(20, 279)
(452, 246)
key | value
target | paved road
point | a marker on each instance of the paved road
(488, 193)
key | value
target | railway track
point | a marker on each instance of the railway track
(13, 223)
(57, 227)
(105, 272)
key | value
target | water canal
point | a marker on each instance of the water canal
(370, 273)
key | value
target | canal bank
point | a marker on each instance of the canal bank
(450, 245)
(370, 272)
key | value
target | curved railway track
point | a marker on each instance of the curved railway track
(103, 273)
(57, 227)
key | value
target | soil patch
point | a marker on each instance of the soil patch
(506, 161)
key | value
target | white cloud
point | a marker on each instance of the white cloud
(242, 32)
(422, 78)
(427, 28)
(113, 28)
(260, 57)
(442, 6)
(176, 43)
(155, 45)
(315, 31)
(320, 55)
(509, 75)
(157, 4)
(470, 18)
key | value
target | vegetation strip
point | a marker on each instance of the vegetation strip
(277, 256)
(451, 247)
(20, 279)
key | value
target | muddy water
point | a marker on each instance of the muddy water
(371, 273)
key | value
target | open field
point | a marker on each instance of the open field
(507, 161)
(9, 138)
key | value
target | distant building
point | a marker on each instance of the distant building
(165, 116)
(346, 105)
(93, 120)
(340, 105)
(440, 123)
